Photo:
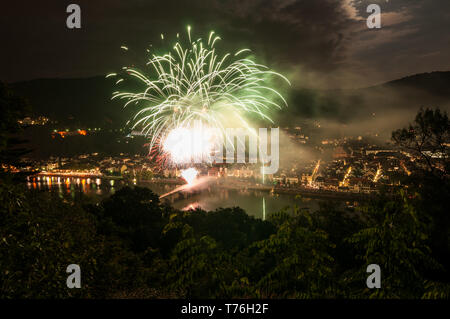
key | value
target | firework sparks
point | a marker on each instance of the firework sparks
(194, 83)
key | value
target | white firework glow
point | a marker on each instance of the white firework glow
(196, 144)
(189, 175)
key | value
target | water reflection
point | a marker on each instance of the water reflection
(255, 203)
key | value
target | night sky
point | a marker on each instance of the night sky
(316, 43)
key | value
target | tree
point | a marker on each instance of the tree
(135, 215)
(231, 228)
(427, 139)
(396, 240)
(12, 109)
(197, 267)
(296, 259)
(41, 234)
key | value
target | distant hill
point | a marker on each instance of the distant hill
(435, 83)
(405, 95)
(88, 101)
(74, 101)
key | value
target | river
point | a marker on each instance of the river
(256, 203)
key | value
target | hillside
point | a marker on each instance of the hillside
(88, 101)
(74, 101)
(404, 95)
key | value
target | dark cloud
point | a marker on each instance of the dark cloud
(315, 42)
(307, 32)
(282, 32)
(414, 38)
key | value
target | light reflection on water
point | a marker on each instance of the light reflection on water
(253, 202)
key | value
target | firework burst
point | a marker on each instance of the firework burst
(195, 84)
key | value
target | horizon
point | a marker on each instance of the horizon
(300, 88)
